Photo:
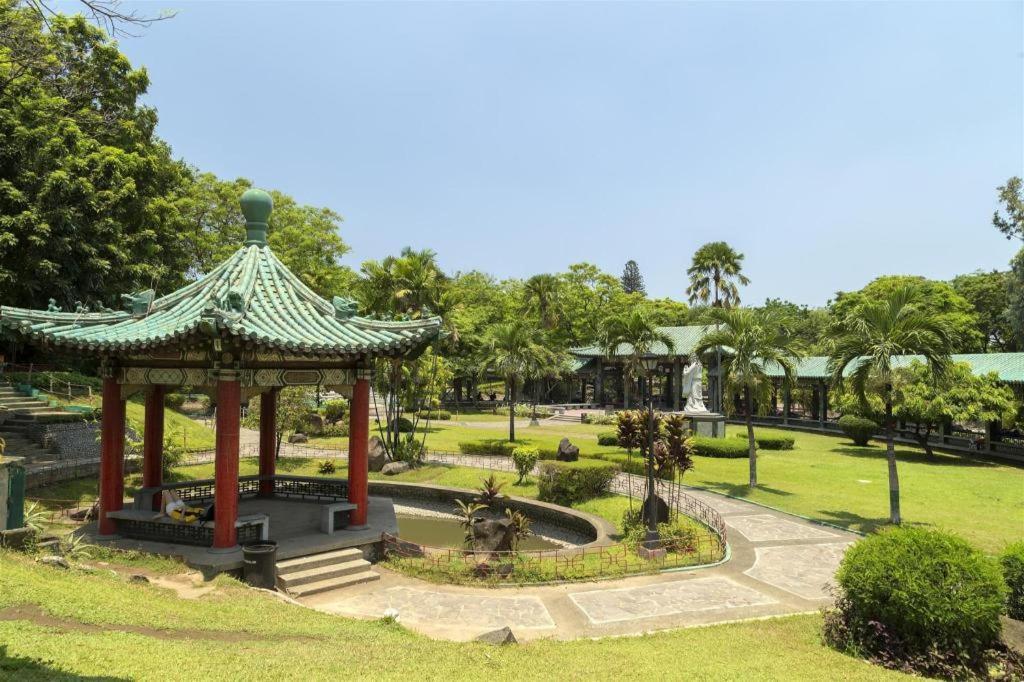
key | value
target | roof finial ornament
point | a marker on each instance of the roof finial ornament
(256, 207)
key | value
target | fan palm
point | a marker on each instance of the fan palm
(756, 342)
(637, 332)
(515, 351)
(864, 345)
(714, 274)
(541, 294)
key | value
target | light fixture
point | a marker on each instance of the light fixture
(650, 363)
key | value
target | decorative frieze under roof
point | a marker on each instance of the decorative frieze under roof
(251, 299)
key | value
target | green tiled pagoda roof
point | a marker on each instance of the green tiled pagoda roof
(1009, 366)
(251, 296)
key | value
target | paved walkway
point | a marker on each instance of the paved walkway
(780, 564)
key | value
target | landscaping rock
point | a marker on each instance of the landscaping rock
(377, 456)
(661, 509)
(54, 560)
(498, 637)
(298, 438)
(567, 452)
(138, 578)
(493, 535)
(16, 538)
(392, 468)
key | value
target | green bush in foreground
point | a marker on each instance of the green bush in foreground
(607, 439)
(525, 458)
(918, 600)
(858, 429)
(770, 442)
(719, 447)
(568, 483)
(1012, 563)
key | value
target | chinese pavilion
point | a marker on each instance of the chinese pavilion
(249, 327)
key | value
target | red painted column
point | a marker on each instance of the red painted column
(225, 492)
(153, 441)
(111, 455)
(358, 450)
(268, 439)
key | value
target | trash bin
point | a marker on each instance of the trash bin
(259, 564)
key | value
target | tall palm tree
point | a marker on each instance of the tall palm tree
(756, 342)
(637, 331)
(515, 351)
(714, 274)
(866, 341)
(410, 284)
(541, 293)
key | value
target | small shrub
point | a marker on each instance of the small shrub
(409, 449)
(175, 400)
(858, 429)
(770, 442)
(335, 430)
(487, 447)
(918, 599)
(435, 415)
(607, 439)
(326, 467)
(567, 483)
(600, 419)
(334, 410)
(403, 425)
(719, 447)
(525, 458)
(1012, 563)
(489, 491)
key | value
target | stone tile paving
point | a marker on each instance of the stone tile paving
(446, 609)
(772, 528)
(666, 599)
(803, 570)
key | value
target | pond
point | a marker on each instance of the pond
(441, 532)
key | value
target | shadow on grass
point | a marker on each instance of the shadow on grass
(864, 524)
(741, 489)
(37, 669)
(912, 456)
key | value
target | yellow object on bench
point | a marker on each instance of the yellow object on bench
(187, 515)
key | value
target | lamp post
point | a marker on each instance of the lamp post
(650, 366)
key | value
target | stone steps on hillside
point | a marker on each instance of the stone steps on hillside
(316, 573)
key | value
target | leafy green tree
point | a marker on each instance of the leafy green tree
(514, 351)
(294, 404)
(989, 294)
(807, 325)
(542, 297)
(89, 207)
(632, 280)
(757, 341)
(870, 335)
(1015, 309)
(1011, 221)
(635, 330)
(935, 299)
(958, 396)
(715, 275)
(409, 285)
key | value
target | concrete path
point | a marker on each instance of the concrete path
(780, 564)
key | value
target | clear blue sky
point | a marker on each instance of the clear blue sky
(829, 142)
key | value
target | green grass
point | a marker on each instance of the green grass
(240, 634)
(826, 478)
(185, 431)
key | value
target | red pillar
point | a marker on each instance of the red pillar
(111, 455)
(358, 450)
(225, 493)
(153, 442)
(268, 439)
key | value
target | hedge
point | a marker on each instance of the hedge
(487, 448)
(858, 429)
(435, 415)
(607, 439)
(719, 447)
(568, 483)
(770, 442)
(1012, 562)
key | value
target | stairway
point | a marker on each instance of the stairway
(569, 418)
(21, 415)
(322, 572)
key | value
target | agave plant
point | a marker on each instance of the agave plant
(75, 547)
(35, 517)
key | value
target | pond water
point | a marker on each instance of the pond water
(441, 532)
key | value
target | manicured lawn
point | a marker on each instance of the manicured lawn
(243, 634)
(826, 478)
(184, 431)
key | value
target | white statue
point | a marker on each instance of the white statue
(693, 389)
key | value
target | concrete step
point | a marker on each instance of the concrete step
(304, 563)
(333, 583)
(9, 401)
(290, 581)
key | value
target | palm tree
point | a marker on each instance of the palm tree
(714, 274)
(866, 341)
(756, 342)
(410, 284)
(541, 293)
(514, 351)
(637, 331)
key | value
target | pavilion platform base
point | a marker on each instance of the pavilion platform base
(294, 526)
